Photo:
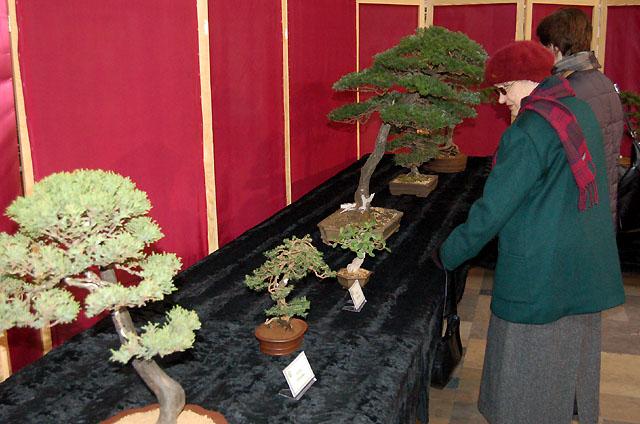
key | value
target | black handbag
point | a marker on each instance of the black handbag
(629, 189)
(448, 351)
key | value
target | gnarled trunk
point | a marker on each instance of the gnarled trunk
(169, 393)
(370, 165)
(355, 265)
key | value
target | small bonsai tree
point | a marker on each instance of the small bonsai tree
(361, 239)
(288, 262)
(421, 91)
(75, 230)
(631, 104)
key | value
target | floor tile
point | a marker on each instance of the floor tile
(620, 408)
(621, 337)
(616, 314)
(465, 330)
(474, 356)
(620, 375)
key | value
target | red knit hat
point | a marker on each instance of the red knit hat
(520, 60)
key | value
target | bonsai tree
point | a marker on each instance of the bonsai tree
(631, 104)
(288, 262)
(76, 230)
(362, 240)
(421, 91)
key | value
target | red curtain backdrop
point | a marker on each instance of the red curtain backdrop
(480, 136)
(381, 27)
(248, 120)
(25, 346)
(322, 48)
(114, 85)
(622, 54)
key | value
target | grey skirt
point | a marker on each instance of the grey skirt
(532, 373)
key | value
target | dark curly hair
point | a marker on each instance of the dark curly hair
(569, 29)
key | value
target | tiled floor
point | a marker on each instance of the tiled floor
(620, 376)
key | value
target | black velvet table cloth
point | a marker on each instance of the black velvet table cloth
(372, 366)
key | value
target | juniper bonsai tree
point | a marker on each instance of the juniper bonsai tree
(288, 262)
(631, 103)
(421, 90)
(361, 239)
(76, 230)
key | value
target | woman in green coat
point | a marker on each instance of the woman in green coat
(547, 200)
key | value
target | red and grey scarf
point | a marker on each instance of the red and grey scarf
(544, 101)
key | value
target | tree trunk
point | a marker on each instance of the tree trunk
(414, 170)
(355, 265)
(370, 165)
(169, 393)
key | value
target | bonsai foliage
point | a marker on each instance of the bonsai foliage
(421, 90)
(288, 262)
(361, 239)
(75, 230)
(631, 104)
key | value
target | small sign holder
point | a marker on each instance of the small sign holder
(287, 393)
(299, 376)
(357, 301)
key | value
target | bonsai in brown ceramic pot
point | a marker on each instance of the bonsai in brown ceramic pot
(362, 240)
(292, 260)
(76, 230)
(448, 160)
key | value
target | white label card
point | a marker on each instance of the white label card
(298, 374)
(357, 296)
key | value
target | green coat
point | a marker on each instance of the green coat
(553, 260)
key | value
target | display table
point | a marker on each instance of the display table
(372, 366)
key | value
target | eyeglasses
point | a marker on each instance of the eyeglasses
(503, 90)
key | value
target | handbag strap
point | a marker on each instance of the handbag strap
(449, 303)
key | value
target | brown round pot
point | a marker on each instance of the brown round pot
(191, 414)
(279, 340)
(346, 279)
(448, 164)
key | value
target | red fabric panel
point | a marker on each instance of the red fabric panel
(248, 123)
(622, 58)
(114, 85)
(540, 11)
(24, 343)
(25, 347)
(480, 136)
(322, 48)
(11, 186)
(381, 27)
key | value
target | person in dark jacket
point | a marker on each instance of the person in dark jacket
(547, 199)
(567, 34)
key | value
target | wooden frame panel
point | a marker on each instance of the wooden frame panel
(208, 161)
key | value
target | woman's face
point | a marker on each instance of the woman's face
(512, 92)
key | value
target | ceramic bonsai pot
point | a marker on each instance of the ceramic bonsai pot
(448, 164)
(191, 414)
(346, 279)
(279, 340)
(387, 222)
(417, 185)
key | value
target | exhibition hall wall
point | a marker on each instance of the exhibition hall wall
(218, 110)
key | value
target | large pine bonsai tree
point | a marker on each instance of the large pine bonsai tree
(76, 230)
(421, 90)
